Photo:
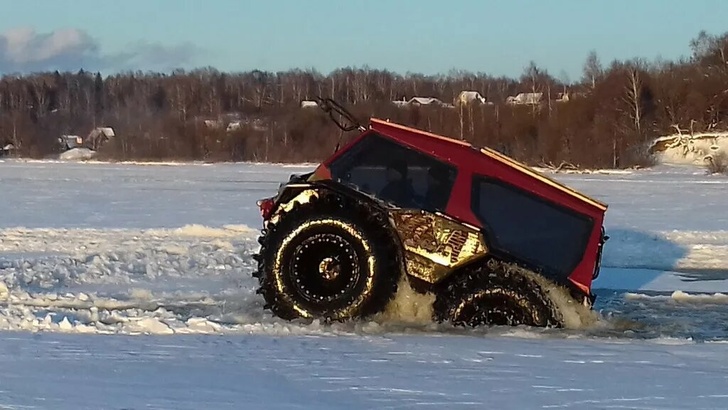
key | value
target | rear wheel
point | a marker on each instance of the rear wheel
(495, 294)
(332, 258)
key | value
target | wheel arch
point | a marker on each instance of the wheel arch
(304, 192)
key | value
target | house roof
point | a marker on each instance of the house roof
(470, 96)
(526, 98)
(421, 101)
(425, 100)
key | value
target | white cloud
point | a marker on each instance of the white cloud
(25, 50)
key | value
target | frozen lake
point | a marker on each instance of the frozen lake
(128, 286)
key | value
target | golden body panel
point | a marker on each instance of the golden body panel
(435, 245)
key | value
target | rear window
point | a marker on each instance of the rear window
(533, 230)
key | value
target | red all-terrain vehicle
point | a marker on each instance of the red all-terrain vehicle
(485, 234)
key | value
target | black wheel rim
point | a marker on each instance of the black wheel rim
(324, 269)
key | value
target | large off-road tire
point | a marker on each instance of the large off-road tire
(333, 258)
(495, 294)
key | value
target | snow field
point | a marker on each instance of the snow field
(357, 372)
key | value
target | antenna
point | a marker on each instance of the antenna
(330, 106)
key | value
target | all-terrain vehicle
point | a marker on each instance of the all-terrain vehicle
(484, 233)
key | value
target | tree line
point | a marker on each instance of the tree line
(613, 111)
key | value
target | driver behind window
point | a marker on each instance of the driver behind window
(399, 188)
(438, 187)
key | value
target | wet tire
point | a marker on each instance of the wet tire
(495, 294)
(332, 258)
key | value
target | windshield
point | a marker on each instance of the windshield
(395, 173)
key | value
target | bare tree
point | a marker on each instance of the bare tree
(592, 70)
(159, 115)
(711, 50)
(633, 97)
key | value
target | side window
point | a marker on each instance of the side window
(395, 173)
(531, 229)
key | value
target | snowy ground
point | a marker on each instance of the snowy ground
(128, 286)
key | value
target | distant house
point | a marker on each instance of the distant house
(525, 99)
(562, 97)
(67, 142)
(7, 150)
(233, 126)
(94, 140)
(213, 124)
(252, 123)
(99, 136)
(469, 97)
(230, 121)
(420, 101)
(309, 104)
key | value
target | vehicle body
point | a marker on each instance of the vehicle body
(483, 244)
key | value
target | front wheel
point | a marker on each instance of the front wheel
(327, 260)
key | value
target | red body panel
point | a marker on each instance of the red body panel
(470, 162)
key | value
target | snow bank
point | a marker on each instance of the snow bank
(123, 281)
(77, 154)
(686, 149)
(546, 170)
(89, 158)
(680, 296)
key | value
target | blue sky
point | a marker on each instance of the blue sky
(427, 36)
